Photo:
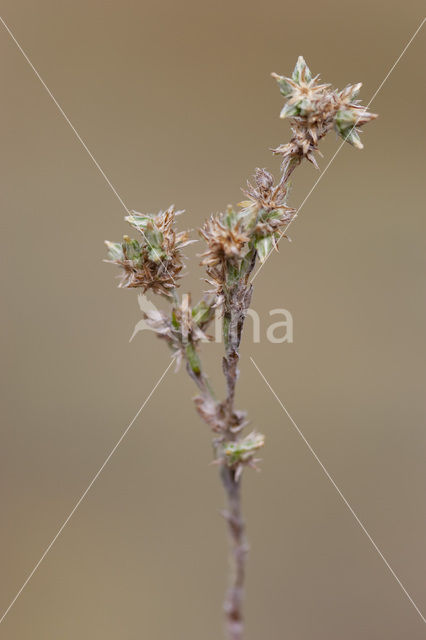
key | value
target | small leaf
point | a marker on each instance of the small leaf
(264, 247)
(351, 92)
(115, 250)
(345, 118)
(305, 107)
(131, 248)
(156, 254)
(175, 321)
(230, 217)
(290, 110)
(301, 71)
(138, 221)
(354, 139)
(201, 312)
(350, 134)
(285, 87)
(193, 359)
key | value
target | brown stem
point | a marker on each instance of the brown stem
(237, 303)
(233, 605)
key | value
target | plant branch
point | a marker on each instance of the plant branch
(235, 239)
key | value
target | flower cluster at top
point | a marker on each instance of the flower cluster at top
(237, 237)
(314, 109)
(235, 240)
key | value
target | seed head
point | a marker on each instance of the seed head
(269, 201)
(225, 239)
(227, 242)
(155, 260)
(314, 109)
(267, 209)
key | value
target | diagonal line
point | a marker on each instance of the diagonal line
(86, 491)
(282, 233)
(339, 492)
(80, 139)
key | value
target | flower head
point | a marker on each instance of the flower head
(225, 238)
(154, 261)
(227, 242)
(269, 202)
(268, 210)
(314, 109)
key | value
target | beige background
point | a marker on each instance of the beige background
(175, 101)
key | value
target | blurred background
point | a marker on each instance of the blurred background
(176, 102)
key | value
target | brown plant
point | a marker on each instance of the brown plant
(235, 240)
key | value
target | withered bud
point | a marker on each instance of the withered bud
(240, 453)
(264, 195)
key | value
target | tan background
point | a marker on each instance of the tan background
(176, 103)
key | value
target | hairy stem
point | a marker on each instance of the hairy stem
(237, 302)
(233, 604)
(237, 292)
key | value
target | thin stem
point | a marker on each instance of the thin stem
(237, 302)
(224, 419)
(233, 604)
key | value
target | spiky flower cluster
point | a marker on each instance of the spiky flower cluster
(267, 211)
(314, 109)
(227, 243)
(154, 261)
(235, 239)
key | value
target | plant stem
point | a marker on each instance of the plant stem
(233, 604)
(237, 302)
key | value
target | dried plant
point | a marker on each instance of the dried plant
(235, 240)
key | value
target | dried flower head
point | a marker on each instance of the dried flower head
(235, 239)
(264, 195)
(314, 109)
(155, 260)
(225, 237)
(266, 211)
(227, 241)
(269, 203)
